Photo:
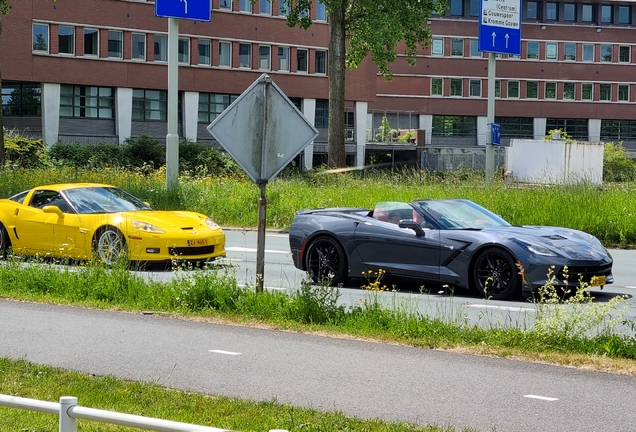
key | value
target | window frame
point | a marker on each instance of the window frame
(285, 57)
(435, 80)
(183, 54)
(202, 42)
(457, 47)
(46, 38)
(628, 50)
(627, 9)
(548, 49)
(569, 9)
(437, 43)
(453, 87)
(606, 13)
(208, 115)
(305, 69)
(268, 10)
(225, 4)
(625, 88)
(605, 89)
(583, 49)
(24, 105)
(471, 86)
(569, 57)
(546, 96)
(552, 11)
(229, 54)
(94, 31)
(160, 48)
(603, 58)
(538, 51)
(321, 11)
(132, 47)
(583, 91)
(535, 90)
(515, 84)
(150, 106)
(76, 101)
(120, 42)
(242, 63)
(535, 16)
(585, 9)
(265, 56)
(245, 6)
(320, 70)
(474, 44)
(63, 37)
(573, 88)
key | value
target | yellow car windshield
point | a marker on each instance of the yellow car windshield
(104, 200)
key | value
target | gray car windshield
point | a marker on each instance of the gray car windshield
(104, 200)
(460, 214)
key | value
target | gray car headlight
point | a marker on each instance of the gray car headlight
(536, 248)
(211, 224)
(144, 226)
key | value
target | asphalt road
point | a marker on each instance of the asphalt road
(363, 379)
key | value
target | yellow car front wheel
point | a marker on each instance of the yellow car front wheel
(109, 245)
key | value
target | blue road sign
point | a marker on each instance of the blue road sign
(500, 26)
(495, 130)
(197, 10)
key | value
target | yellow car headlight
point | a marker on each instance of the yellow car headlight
(211, 224)
(144, 226)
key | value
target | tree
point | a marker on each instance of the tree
(358, 28)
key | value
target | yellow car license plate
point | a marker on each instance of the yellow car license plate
(597, 280)
(201, 242)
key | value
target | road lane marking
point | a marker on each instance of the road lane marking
(244, 249)
(224, 352)
(545, 398)
(505, 308)
(269, 288)
(629, 286)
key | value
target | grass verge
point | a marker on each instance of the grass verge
(25, 379)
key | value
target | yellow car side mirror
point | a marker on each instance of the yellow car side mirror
(53, 209)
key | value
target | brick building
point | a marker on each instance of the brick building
(96, 71)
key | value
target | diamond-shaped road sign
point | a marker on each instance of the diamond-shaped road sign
(262, 130)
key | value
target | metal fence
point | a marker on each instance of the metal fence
(460, 158)
(68, 412)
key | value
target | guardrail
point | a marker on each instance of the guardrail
(68, 411)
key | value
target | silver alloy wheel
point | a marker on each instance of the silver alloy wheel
(110, 245)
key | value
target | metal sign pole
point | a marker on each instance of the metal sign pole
(172, 139)
(490, 119)
(262, 202)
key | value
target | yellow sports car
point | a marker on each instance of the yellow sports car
(89, 220)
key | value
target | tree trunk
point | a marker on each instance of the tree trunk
(337, 155)
(2, 156)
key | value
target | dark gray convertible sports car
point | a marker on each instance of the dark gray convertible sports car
(450, 241)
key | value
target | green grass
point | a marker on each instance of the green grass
(607, 213)
(24, 379)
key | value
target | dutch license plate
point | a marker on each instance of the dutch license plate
(597, 280)
(201, 242)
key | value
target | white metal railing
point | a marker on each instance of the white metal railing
(68, 411)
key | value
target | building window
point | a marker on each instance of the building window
(138, 46)
(454, 125)
(41, 37)
(569, 12)
(161, 48)
(283, 59)
(457, 7)
(532, 10)
(587, 91)
(623, 15)
(588, 53)
(91, 42)
(457, 47)
(321, 11)
(513, 89)
(438, 46)
(569, 52)
(456, 87)
(474, 7)
(532, 90)
(245, 55)
(225, 4)
(184, 50)
(225, 54)
(66, 38)
(605, 92)
(474, 48)
(245, 6)
(623, 92)
(550, 90)
(606, 13)
(150, 105)
(497, 88)
(86, 102)
(282, 8)
(21, 99)
(115, 44)
(205, 56)
(516, 127)
(587, 13)
(533, 50)
(618, 130)
(551, 51)
(624, 54)
(213, 104)
(568, 91)
(474, 87)
(321, 62)
(606, 53)
(437, 86)
(576, 128)
(264, 57)
(551, 11)
(265, 7)
(322, 113)
(302, 61)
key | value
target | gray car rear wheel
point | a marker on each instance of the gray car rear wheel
(326, 261)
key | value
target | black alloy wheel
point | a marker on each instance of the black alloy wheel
(495, 275)
(326, 261)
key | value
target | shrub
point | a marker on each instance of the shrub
(86, 155)
(617, 166)
(144, 150)
(25, 153)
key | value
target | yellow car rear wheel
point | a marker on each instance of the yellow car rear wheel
(5, 243)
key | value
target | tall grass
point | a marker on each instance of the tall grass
(608, 212)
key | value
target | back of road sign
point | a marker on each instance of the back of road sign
(500, 26)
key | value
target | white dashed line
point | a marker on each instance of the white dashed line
(632, 287)
(244, 249)
(505, 308)
(224, 352)
(545, 398)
